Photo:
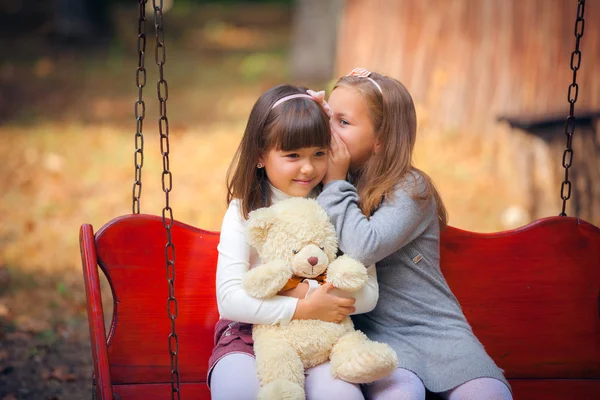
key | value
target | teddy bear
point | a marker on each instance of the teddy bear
(295, 240)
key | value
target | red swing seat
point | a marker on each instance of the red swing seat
(531, 295)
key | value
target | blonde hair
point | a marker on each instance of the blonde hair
(292, 125)
(394, 120)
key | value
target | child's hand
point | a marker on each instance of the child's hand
(324, 306)
(339, 160)
(298, 292)
(319, 97)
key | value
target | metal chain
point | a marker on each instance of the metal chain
(167, 183)
(139, 110)
(567, 159)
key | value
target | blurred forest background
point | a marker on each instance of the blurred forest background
(489, 79)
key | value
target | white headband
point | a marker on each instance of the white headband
(291, 96)
(365, 73)
(319, 97)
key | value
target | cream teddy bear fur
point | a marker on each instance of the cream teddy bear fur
(296, 238)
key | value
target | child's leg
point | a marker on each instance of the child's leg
(320, 385)
(479, 389)
(234, 377)
(401, 385)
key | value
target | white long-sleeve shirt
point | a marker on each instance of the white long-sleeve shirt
(236, 257)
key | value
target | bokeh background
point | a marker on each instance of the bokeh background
(489, 79)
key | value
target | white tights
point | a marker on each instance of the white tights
(405, 385)
(234, 378)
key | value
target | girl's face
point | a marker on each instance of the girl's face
(298, 172)
(352, 123)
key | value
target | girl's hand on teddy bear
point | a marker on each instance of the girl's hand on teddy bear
(324, 306)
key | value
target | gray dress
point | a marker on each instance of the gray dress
(416, 314)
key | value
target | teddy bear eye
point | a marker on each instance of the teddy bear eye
(322, 248)
(295, 251)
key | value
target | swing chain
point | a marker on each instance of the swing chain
(139, 110)
(567, 160)
(167, 183)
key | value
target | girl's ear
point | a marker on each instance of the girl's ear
(376, 146)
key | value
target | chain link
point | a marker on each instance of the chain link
(167, 184)
(139, 110)
(567, 160)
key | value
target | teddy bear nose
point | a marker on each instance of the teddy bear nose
(313, 261)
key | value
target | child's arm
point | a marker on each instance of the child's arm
(236, 304)
(234, 256)
(393, 225)
(365, 299)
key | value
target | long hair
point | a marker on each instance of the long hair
(394, 121)
(294, 124)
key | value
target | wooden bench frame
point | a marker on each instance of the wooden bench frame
(532, 296)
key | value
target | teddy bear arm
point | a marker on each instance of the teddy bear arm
(347, 274)
(266, 280)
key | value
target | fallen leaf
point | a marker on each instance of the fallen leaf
(30, 324)
(4, 311)
(60, 374)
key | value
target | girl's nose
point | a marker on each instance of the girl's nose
(307, 167)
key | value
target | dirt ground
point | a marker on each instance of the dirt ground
(45, 357)
(66, 144)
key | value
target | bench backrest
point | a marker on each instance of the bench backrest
(531, 296)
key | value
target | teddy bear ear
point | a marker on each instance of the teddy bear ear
(259, 223)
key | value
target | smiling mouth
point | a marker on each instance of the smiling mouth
(303, 181)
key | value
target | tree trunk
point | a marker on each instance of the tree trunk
(314, 37)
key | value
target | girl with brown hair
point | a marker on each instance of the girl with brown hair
(283, 153)
(391, 214)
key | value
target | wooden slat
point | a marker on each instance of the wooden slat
(555, 389)
(95, 312)
(550, 389)
(189, 391)
(531, 295)
(131, 253)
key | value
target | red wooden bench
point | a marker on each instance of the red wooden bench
(532, 296)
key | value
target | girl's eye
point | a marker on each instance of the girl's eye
(344, 122)
(320, 153)
(292, 155)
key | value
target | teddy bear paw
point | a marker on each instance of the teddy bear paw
(347, 274)
(368, 362)
(280, 389)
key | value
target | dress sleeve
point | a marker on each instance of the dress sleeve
(233, 262)
(394, 224)
(366, 298)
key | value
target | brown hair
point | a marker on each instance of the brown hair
(293, 124)
(394, 121)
